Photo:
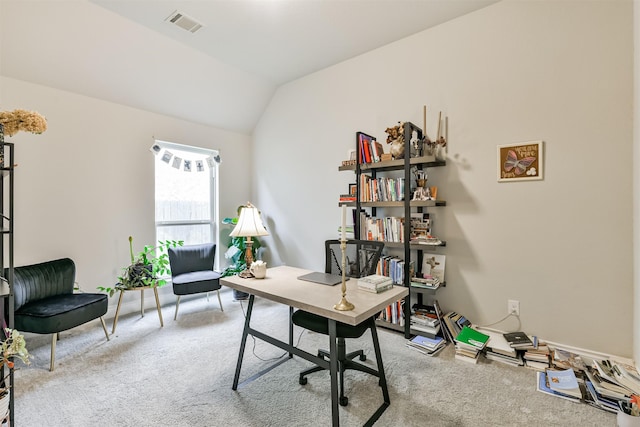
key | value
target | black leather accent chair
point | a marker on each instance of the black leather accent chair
(45, 302)
(192, 271)
(362, 260)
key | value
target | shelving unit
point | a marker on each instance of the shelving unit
(6, 251)
(407, 205)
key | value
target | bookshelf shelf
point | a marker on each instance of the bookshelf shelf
(6, 254)
(412, 252)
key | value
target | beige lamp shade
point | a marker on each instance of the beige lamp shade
(249, 223)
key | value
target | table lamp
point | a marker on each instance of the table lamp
(249, 225)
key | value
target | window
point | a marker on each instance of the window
(186, 193)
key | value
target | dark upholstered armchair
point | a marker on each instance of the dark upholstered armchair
(46, 304)
(192, 271)
(361, 260)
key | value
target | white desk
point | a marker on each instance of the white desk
(282, 285)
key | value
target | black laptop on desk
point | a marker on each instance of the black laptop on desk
(322, 278)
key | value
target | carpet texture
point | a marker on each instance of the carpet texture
(181, 375)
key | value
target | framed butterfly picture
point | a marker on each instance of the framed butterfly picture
(520, 162)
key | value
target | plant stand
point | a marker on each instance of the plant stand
(141, 289)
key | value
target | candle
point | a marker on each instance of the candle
(344, 222)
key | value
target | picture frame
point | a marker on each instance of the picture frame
(523, 161)
(353, 189)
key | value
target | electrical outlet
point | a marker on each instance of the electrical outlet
(513, 307)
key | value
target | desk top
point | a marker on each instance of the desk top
(282, 285)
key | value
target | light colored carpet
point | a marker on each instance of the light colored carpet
(181, 375)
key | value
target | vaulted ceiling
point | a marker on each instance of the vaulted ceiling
(223, 74)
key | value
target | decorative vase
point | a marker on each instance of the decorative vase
(4, 406)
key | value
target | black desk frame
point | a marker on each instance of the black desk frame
(331, 365)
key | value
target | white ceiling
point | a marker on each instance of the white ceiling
(224, 74)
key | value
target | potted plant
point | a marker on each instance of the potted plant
(147, 267)
(13, 347)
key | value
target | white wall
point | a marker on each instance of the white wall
(636, 181)
(516, 71)
(86, 184)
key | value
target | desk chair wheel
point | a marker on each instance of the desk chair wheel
(363, 357)
(302, 380)
(344, 401)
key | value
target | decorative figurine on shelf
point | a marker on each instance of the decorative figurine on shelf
(396, 139)
(416, 144)
(422, 192)
(440, 151)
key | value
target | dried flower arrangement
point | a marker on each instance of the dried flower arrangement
(22, 120)
(14, 347)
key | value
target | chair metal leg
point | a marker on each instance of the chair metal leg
(115, 319)
(104, 328)
(219, 300)
(175, 316)
(142, 302)
(54, 338)
(155, 291)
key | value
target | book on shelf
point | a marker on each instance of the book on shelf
(420, 225)
(433, 284)
(393, 313)
(347, 198)
(564, 382)
(543, 386)
(369, 150)
(433, 265)
(518, 339)
(424, 314)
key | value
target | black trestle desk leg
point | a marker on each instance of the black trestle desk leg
(245, 333)
(383, 379)
(333, 355)
(291, 330)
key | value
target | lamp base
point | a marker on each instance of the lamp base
(245, 274)
(344, 305)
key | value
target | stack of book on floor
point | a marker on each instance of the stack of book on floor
(605, 393)
(452, 323)
(518, 340)
(424, 319)
(604, 384)
(537, 357)
(469, 343)
(426, 345)
(375, 283)
(562, 383)
(499, 350)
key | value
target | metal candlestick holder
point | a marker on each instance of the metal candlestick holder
(344, 305)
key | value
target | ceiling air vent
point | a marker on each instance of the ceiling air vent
(183, 21)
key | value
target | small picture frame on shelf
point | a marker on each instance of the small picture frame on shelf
(520, 162)
(353, 189)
